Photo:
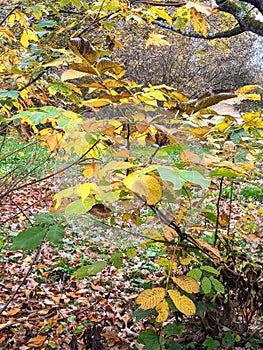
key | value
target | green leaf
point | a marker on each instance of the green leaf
(28, 239)
(173, 329)
(78, 207)
(45, 219)
(55, 233)
(195, 273)
(194, 177)
(218, 286)
(209, 215)
(37, 117)
(171, 175)
(140, 314)
(89, 270)
(171, 345)
(9, 94)
(52, 111)
(116, 259)
(150, 339)
(228, 173)
(210, 343)
(206, 285)
(45, 24)
(228, 339)
(131, 252)
(209, 269)
(76, 3)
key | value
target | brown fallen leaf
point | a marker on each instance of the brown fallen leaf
(13, 311)
(38, 340)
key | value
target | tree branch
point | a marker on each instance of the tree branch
(246, 21)
(210, 36)
(10, 13)
(156, 3)
(258, 4)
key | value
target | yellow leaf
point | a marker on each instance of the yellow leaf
(52, 140)
(251, 117)
(89, 171)
(96, 102)
(186, 283)
(224, 125)
(156, 40)
(185, 262)
(214, 252)
(199, 22)
(163, 311)
(206, 9)
(106, 66)
(11, 20)
(84, 67)
(153, 234)
(122, 154)
(157, 94)
(70, 115)
(150, 298)
(32, 36)
(84, 190)
(253, 97)
(72, 74)
(200, 132)
(161, 13)
(114, 165)
(229, 165)
(183, 303)
(67, 193)
(182, 18)
(179, 96)
(24, 39)
(247, 88)
(146, 186)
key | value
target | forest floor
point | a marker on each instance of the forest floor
(48, 309)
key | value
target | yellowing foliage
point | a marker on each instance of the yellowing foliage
(199, 22)
(163, 311)
(145, 186)
(184, 304)
(150, 298)
(188, 284)
(156, 40)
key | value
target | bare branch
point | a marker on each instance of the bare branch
(210, 36)
(258, 4)
(246, 21)
(156, 3)
(10, 13)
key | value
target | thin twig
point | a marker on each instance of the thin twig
(218, 209)
(36, 256)
(156, 3)
(21, 211)
(32, 81)
(54, 174)
(96, 21)
(230, 208)
(154, 154)
(10, 13)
